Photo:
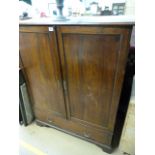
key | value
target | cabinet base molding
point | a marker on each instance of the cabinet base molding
(105, 148)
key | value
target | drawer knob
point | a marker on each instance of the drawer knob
(86, 135)
(50, 121)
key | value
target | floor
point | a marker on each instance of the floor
(36, 140)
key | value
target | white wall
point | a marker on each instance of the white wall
(42, 5)
(130, 7)
(130, 4)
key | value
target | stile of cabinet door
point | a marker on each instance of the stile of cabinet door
(93, 62)
(38, 51)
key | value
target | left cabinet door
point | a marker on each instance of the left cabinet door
(40, 59)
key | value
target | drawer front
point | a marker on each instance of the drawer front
(82, 130)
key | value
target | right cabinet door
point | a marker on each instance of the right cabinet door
(93, 63)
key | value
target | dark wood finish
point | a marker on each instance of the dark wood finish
(93, 63)
(76, 89)
(93, 60)
(39, 55)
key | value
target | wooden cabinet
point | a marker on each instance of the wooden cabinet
(75, 76)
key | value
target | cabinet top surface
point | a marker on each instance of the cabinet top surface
(100, 20)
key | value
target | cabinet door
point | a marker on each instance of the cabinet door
(93, 61)
(38, 51)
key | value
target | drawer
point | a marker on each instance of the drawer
(85, 131)
(76, 128)
(65, 124)
(99, 136)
